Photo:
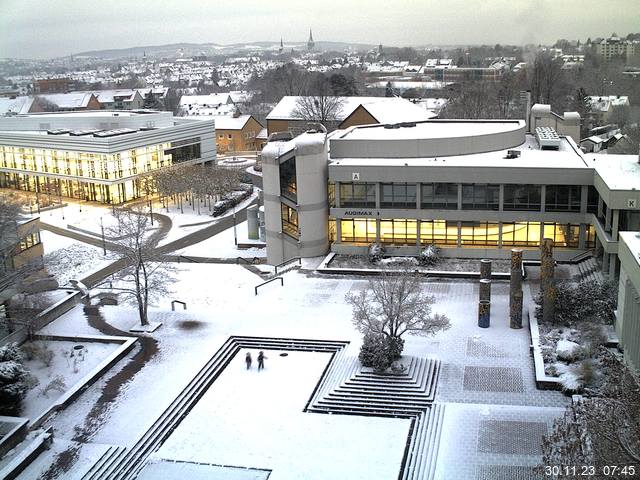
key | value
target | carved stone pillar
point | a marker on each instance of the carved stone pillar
(547, 284)
(485, 268)
(484, 314)
(515, 289)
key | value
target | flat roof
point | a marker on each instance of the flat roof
(632, 240)
(618, 172)
(431, 129)
(530, 157)
(90, 113)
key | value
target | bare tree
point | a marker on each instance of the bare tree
(320, 105)
(546, 79)
(394, 305)
(603, 428)
(146, 275)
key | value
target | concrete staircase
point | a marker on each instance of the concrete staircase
(589, 271)
(119, 463)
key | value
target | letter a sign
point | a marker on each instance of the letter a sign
(355, 176)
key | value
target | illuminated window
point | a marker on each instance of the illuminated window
(590, 238)
(332, 230)
(289, 220)
(438, 232)
(358, 230)
(564, 235)
(398, 231)
(521, 234)
(331, 194)
(479, 233)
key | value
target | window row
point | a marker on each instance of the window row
(441, 232)
(473, 196)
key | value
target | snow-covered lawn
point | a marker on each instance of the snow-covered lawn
(223, 245)
(68, 259)
(256, 419)
(70, 368)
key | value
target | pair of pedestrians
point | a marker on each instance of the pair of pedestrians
(248, 360)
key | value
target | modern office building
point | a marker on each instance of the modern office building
(21, 245)
(474, 188)
(97, 156)
(628, 313)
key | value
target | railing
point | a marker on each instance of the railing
(248, 261)
(173, 305)
(255, 289)
(187, 259)
(287, 262)
(581, 256)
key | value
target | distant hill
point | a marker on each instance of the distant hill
(191, 49)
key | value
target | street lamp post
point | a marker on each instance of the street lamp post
(235, 234)
(104, 245)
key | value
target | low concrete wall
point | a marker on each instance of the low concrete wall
(75, 391)
(543, 381)
(44, 318)
(15, 435)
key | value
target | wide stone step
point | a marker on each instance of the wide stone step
(419, 402)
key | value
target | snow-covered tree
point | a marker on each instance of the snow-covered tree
(146, 275)
(14, 380)
(393, 305)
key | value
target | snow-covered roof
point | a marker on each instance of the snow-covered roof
(212, 100)
(262, 135)
(158, 91)
(530, 157)
(604, 103)
(109, 96)
(226, 122)
(69, 100)
(383, 109)
(19, 105)
(618, 172)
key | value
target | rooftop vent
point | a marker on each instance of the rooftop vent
(407, 124)
(513, 154)
(547, 138)
(113, 133)
(81, 133)
(58, 131)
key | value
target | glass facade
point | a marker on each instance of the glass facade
(107, 178)
(358, 230)
(398, 231)
(483, 234)
(521, 234)
(439, 196)
(563, 234)
(479, 196)
(438, 232)
(398, 195)
(288, 184)
(592, 199)
(289, 218)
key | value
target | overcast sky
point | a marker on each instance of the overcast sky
(49, 28)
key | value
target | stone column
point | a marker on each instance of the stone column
(547, 284)
(484, 314)
(515, 289)
(485, 289)
(485, 269)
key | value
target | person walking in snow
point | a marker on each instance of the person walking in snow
(248, 360)
(261, 358)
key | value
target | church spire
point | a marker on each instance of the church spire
(310, 43)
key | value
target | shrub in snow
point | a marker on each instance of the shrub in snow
(14, 380)
(57, 384)
(586, 301)
(569, 376)
(395, 345)
(374, 352)
(376, 252)
(38, 351)
(569, 351)
(429, 256)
